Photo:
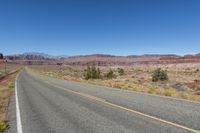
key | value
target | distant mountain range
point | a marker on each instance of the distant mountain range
(102, 59)
(44, 55)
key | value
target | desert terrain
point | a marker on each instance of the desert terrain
(183, 79)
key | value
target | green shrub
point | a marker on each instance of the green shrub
(3, 126)
(120, 71)
(11, 85)
(159, 75)
(198, 88)
(92, 73)
(110, 74)
(197, 70)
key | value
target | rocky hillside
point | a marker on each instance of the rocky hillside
(104, 60)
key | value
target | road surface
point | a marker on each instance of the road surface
(47, 105)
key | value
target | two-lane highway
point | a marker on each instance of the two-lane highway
(48, 105)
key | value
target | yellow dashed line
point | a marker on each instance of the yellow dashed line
(127, 109)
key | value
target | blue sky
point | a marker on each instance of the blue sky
(120, 27)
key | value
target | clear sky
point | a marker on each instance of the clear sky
(120, 27)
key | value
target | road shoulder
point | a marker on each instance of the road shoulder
(11, 115)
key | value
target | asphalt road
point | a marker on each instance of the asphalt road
(48, 105)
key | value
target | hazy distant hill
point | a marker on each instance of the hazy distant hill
(102, 59)
(45, 55)
(32, 58)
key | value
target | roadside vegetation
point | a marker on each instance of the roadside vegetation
(159, 75)
(91, 73)
(6, 86)
(175, 80)
(120, 71)
(109, 74)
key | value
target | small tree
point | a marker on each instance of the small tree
(120, 71)
(159, 75)
(1, 56)
(110, 74)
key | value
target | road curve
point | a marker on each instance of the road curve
(50, 105)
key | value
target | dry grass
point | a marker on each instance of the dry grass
(168, 92)
(183, 78)
(183, 95)
(152, 90)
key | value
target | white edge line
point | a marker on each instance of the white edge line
(18, 117)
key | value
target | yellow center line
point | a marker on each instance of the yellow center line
(127, 109)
